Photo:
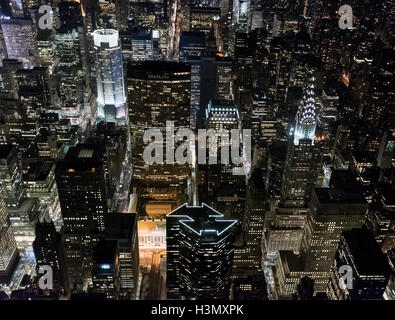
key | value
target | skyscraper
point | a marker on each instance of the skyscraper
(10, 176)
(157, 92)
(303, 154)
(69, 66)
(39, 182)
(33, 91)
(8, 250)
(369, 268)
(105, 269)
(123, 228)
(109, 75)
(19, 40)
(305, 117)
(332, 211)
(49, 251)
(200, 246)
(83, 199)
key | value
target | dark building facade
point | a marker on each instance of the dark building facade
(105, 269)
(49, 251)
(369, 267)
(83, 199)
(200, 247)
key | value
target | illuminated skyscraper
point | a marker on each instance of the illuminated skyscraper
(8, 249)
(200, 247)
(33, 91)
(19, 39)
(10, 176)
(303, 154)
(157, 92)
(305, 117)
(69, 66)
(332, 211)
(109, 75)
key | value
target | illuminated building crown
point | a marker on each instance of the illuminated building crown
(306, 117)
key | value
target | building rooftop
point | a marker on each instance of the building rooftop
(38, 171)
(159, 70)
(83, 157)
(203, 220)
(120, 225)
(367, 255)
(339, 195)
(105, 252)
(5, 150)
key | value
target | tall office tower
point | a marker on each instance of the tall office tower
(138, 44)
(259, 112)
(114, 139)
(286, 231)
(80, 178)
(39, 182)
(111, 97)
(222, 114)
(275, 168)
(33, 91)
(223, 88)
(303, 154)
(123, 228)
(386, 154)
(248, 255)
(219, 179)
(191, 49)
(380, 219)
(241, 12)
(46, 50)
(370, 269)
(327, 115)
(8, 84)
(69, 66)
(105, 269)
(19, 38)
(332, 211)
(8, 251)
(215, 80)
(10, 176)
(382, 92)
(49, 251)
(192, 45)
(211, 74)
(199, 253)
(279, 69)
(142, 44)
(70, 14)
(12, 123)
(148, 109)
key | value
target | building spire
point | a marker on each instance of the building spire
(306, 117)
(306, 4)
